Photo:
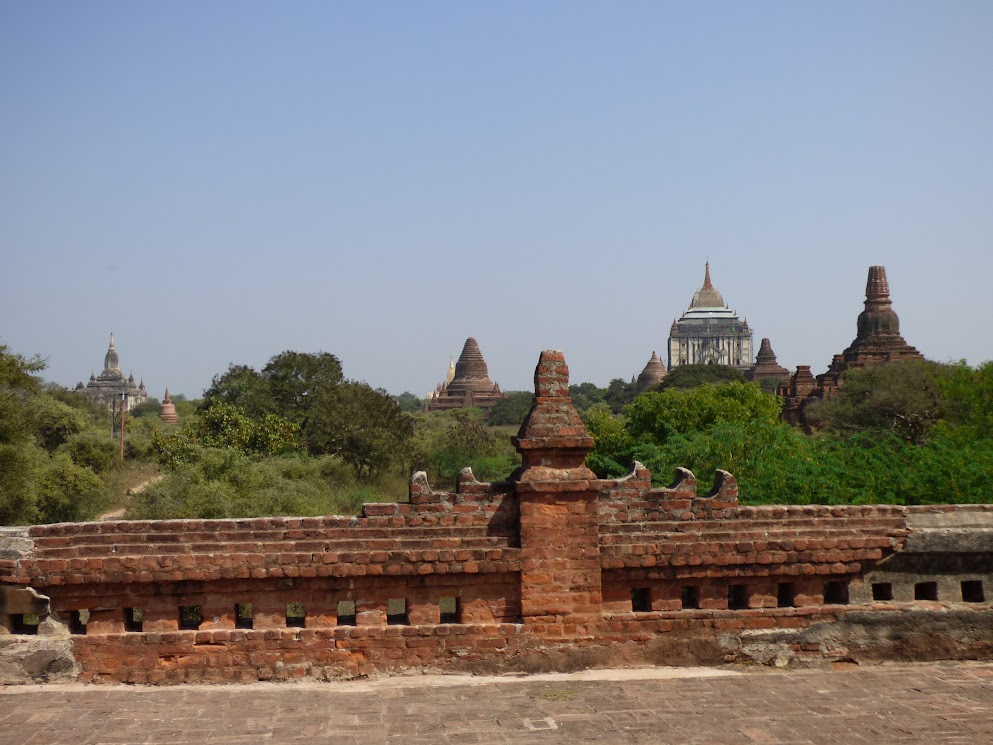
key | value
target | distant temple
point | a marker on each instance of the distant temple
(167, 411)
(468, 383)
(652, 375)
(710, 333)
(766, 365)
(110, 387)
(877, 341)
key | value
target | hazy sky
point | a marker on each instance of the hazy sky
(217, 182)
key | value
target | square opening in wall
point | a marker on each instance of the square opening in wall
(737, 597)
(785, 595)
(190, 617)
(836, 592)
(26, 623)
(882, 591)
(926, 591)
(450, 610)
(972, 591)
(296, 616)
(244, 617)
(396, 611)
(78, 621)
(641, 599)
(132, 619)
(346, 612)
(690, 597)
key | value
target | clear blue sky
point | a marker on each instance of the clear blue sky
(217, 182)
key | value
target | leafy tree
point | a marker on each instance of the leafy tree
(21, 459)
(93, 449)
(905, 398)
(363, 425)
(18, 372)
(224, 426)
(619, 394)
(68, 492)
(409, 403)
(657, 416)
(512, 408)
(969, 396)
(613, 447)
(296, 378)
(585, 395)
(147, 409)
(242, 387)
(54, 422)
(691, 376)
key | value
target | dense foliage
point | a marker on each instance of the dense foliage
(905, 433)
(55, 454)
(299, 438)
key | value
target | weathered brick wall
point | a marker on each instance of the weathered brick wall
(554, 569)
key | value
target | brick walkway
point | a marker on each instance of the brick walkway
(934, 704)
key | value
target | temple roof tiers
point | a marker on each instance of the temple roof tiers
(469, 385)
(709, 332)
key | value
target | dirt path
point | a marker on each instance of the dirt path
(118, 513)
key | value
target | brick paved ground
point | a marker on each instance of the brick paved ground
(935, 704)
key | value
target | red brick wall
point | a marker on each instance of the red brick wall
(542, 570)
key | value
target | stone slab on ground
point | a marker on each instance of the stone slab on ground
(938, 704)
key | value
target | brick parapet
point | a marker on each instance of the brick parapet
(553, 569)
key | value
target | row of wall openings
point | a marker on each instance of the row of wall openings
(972, 591)
(836, 592)
(191, 616)
(738, 597)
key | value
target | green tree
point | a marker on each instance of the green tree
(296, 378)
(363, 425)
(585, 395)
(657, 416)
(68, 492)
(54, 422)
(906, 398)
(409, 403)
(512, 408)
(242, 387)
(613, 444)
(18, 372)
(619, 394)
(969, 396)
(21, 460)
(691, 376)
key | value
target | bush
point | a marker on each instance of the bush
(68, 492)
(224, 483)
(94, 450)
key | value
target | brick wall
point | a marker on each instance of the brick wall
(554, 569)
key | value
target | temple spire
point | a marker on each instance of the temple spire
(877, 288)
(112, 361)
(706, 277)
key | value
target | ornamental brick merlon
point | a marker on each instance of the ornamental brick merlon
(553, 441)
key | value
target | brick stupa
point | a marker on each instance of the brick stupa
(167, 411)
(877, 341)
(653, 374)
(766, 365)
(471, 384)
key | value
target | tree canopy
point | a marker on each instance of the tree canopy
(906, 399)
(512, 408)
(691, 376)
(334, 416)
